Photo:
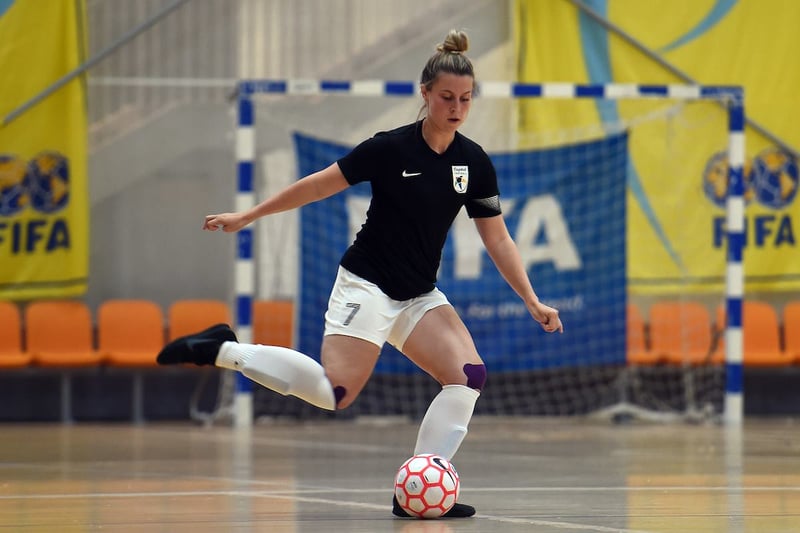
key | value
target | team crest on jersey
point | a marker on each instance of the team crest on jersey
(460, 178)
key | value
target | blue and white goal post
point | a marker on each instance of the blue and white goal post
(729, 98)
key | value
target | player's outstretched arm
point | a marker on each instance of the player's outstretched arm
(505, 255)
(313, 187)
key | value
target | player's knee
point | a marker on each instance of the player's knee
(345, 392)
(346, 386)
(476, 376)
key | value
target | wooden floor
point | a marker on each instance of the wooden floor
(542, 475)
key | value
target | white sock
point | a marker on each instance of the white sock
(445, 423)
(282, 370)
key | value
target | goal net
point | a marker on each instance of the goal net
(604, 212)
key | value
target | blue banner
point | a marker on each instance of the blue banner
(565, 208)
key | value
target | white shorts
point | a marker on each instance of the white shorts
(358, 308)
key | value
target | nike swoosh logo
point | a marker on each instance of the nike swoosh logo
(410, 174)
(191, 344)
(439, 462)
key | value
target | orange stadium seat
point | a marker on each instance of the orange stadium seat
(791, 330)
(272, 322)
(60, 333)
(761, 330)
(130, 332)
(636, 345)
(190, 316)
(11, 353)
(680, 332)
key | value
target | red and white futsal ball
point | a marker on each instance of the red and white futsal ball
(426, 486)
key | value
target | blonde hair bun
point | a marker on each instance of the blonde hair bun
(456, 42)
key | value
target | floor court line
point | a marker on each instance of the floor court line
(294, 496)
(315, 489)
(501, 519)
(572, 526)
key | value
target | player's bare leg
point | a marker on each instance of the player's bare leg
(348, 363)
(441, 345)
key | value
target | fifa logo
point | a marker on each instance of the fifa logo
(771, 180)
(41, 184)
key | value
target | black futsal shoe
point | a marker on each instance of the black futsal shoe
(200, 348)
(459, 510)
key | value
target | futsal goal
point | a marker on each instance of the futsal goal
(604, 212)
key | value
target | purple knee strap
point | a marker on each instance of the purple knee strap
(339, 392)
(476, 376)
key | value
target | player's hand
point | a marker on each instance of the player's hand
(547, 317)
(227, 222)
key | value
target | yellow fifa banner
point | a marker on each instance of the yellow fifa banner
(678, 180)
(44, 204)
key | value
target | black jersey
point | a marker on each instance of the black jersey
(416, 195)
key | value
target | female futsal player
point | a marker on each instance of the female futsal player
(421, 175)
